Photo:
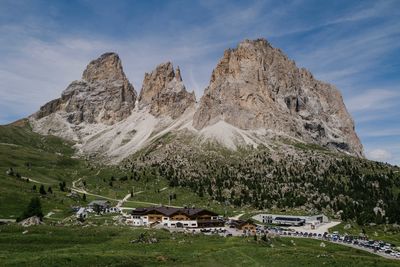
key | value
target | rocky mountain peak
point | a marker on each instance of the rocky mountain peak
(178, 74)
(164, 92)
(104, 95)
(256, 87)
(107, 67)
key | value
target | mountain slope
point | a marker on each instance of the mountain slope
(265, 134)
(256, 95)
(256, 87)
(285, 175)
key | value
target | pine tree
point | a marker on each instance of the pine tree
(49, 190)
(34, 209)
(42, 191)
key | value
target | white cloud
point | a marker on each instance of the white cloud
(374, 99)
(379, 155)
(385, 132)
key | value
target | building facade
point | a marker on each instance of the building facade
(174, 217)
(292, 220)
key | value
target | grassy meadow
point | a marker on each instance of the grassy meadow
(49, 160)
(110, 246)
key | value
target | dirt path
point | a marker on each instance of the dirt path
(119, 201)
(119, 204)
(8, 144)
(35, 181)
(49, 214)
(236, 217)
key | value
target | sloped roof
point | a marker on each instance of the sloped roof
(99, 202)
(169, 211)
(240, 223)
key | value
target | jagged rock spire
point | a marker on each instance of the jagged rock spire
(104, 95)
(107, 67)
(164, 92)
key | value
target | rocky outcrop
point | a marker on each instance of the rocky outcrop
(256, 96)
(256, 86)
(104, 95)
(164, 92)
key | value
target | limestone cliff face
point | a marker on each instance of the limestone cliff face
(256, 96)
(164, 92)
(256, 86)
(104, 95)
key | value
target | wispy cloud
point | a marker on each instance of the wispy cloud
(373, 100)
(381, 132)
(352, 45)
(379, 155)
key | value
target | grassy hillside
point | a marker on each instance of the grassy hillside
(282, 175)
(49, 160)
(46, 160)
(110, 246)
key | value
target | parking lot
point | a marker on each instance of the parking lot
(378, 247)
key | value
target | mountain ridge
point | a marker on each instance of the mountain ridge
(256, 94)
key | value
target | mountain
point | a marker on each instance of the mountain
(256, 96)
(103, 115)
(164, 92)
(265, 134)
(256, 87)
(103, 95)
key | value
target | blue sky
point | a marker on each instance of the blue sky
(355, 45)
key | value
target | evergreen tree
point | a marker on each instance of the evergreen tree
(49, 190)
(42, 191)
(34, 209)
(62, 186)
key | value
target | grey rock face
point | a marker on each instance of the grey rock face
(164, 92)
(103, 95)
(256, 86)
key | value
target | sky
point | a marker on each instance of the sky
(355, 45)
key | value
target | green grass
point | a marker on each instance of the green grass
(50, 160)
(46, 159)
(110, 246)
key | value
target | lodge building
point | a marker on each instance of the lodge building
(247, 226)
(175, 217)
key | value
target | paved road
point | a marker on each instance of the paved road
(347, 245)
(319, 230)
